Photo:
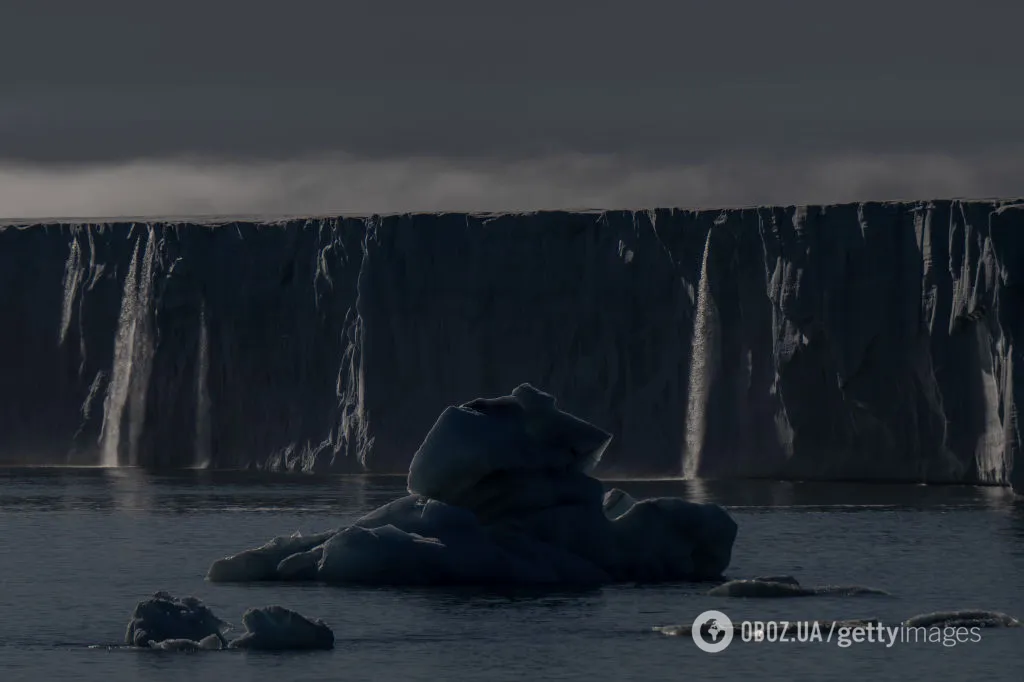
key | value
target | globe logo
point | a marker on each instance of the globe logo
(712, 631)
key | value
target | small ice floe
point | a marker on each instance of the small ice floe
(166, 623)
(787, 586)
(275, 628)
(163, 618)
(968, 619)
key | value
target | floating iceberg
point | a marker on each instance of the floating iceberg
(275, 628)
(169, 624)
(500, 493)
(178, 623)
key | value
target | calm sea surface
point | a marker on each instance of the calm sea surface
(80, 547)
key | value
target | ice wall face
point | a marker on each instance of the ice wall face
(176, 345)
(871, 341)
(894, 338)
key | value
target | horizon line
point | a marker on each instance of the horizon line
(274, 218)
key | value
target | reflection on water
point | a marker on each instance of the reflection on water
(824, 495)
(54, 489)
(126, 489)
(1017, 525)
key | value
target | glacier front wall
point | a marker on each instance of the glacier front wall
(871, 341)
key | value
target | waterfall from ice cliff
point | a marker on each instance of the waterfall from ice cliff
(863, 341)
(203, 432)
(703, 361)
(125, 404)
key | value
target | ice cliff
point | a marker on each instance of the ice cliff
(874, 341)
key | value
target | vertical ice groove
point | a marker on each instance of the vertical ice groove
(72, 281)
(989, 449)
(353, 427)
(203, 426)
(94, 273)
(652, 223)
(703, 352)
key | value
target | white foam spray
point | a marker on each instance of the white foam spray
(203, 426)
(133, 360)
(703, 361)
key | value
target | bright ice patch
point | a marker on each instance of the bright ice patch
(275, 628)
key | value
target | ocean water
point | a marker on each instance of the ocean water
(80, 547)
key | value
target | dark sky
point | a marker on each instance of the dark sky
(479, 86)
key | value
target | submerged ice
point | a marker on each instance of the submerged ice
(787, 586)
(500, 492)
(963, 618)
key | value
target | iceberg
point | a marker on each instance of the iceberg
(165, 623)
(500, 493)
(275, 628)
(262, 562)
(178, 623)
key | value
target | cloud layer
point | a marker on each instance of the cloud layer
(120, 107)
(339, 184)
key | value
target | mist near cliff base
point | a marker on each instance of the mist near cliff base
(192, 186)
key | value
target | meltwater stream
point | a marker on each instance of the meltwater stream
(125, 406)
(89, 543)
(204, 431)
(703, 355)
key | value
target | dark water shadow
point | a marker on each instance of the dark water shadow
(833, 496)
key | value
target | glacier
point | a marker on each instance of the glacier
(872, 341)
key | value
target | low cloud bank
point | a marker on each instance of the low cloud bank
(342, 184)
